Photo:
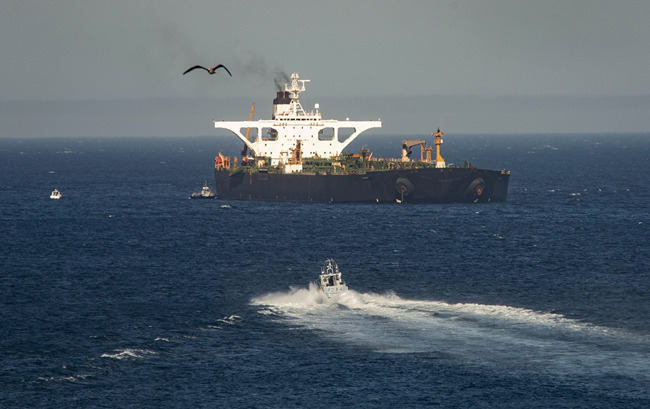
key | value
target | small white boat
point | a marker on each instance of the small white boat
(205, 193)
(55, 194)
(330, 281)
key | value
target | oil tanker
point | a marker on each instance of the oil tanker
(297, 156)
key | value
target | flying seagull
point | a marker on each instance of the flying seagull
(210, 70)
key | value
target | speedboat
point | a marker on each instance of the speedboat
(205, 193)
(55, 194)
(330, 281)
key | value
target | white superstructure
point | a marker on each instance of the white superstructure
(329, 280)
(293, 129)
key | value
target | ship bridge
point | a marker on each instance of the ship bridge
(292, 126)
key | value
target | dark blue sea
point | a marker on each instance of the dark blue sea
(126, 294)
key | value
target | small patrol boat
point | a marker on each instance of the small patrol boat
(55, 194)
(205, 193)
(330, 281)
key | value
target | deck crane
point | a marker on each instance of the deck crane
(248, 132)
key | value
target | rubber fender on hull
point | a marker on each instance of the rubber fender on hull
(404, 187)
(475, 188)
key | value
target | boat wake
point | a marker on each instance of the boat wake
(472, 334)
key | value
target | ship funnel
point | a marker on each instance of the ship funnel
(281, 104)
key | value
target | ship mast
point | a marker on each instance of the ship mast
(295, 109)
(440, 162)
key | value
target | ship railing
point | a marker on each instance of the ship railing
(303, 121)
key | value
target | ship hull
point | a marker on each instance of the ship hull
(429, 185)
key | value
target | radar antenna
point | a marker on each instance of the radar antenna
(295, 89)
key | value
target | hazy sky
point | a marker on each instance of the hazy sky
(114, 50)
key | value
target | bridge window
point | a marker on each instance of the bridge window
(269, 134)
(326, 134)
(345, 133)
(252, 133)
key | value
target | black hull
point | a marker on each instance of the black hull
(447, 185)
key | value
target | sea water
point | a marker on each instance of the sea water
(125, 293)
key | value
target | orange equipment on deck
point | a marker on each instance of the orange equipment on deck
(222, 162)
(248, 132)
(440, 162)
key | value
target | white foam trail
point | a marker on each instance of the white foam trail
(475, 334)
(231, 320)
(129, 353)
(299, 297)
(75, 378)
